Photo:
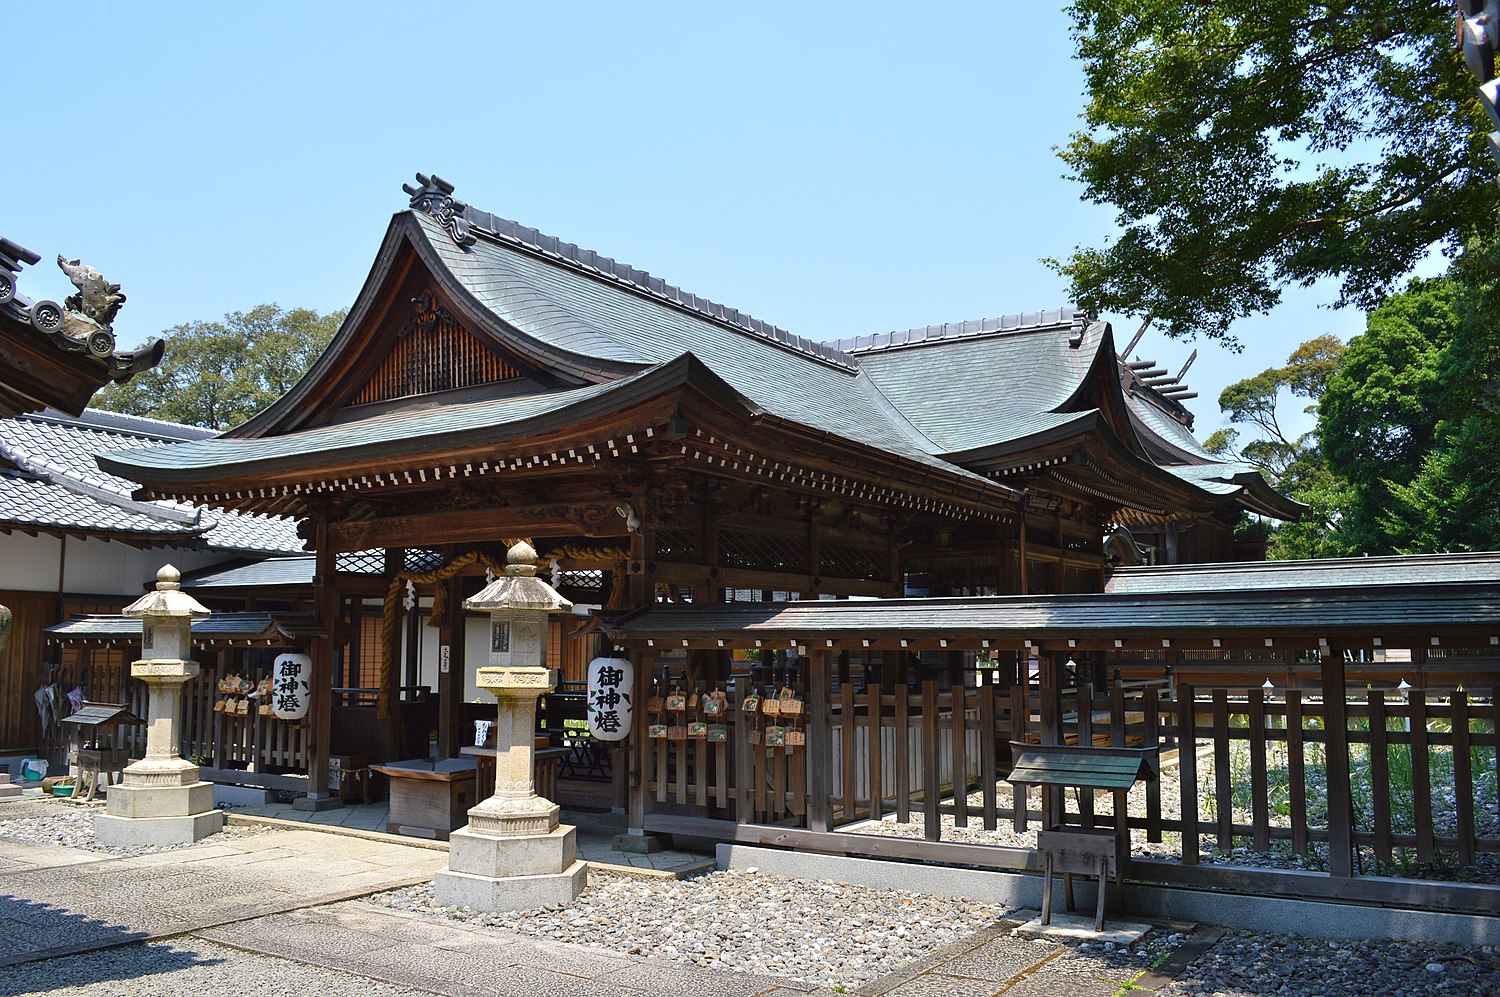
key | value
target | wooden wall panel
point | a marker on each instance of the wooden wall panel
(22, 668)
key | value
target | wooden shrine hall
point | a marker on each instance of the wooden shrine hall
(491, 382)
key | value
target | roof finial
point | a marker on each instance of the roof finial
(435, 197)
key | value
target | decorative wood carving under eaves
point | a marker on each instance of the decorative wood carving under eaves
(432, 352)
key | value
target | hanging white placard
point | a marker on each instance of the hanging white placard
(291, 692)
(610, 684)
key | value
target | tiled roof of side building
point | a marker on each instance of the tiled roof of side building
(1476, 568)
(30, 502)
(1002, 378)
(1394, 608)
(62, 486)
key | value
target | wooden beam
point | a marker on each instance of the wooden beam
(476, 525)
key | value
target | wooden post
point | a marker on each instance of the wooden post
(1380, 775)
(1050, 694)
(932, 819)
(1336, 755)
(640, 719)
(1463, 777)
(819, 745)
(1296, 770)
(1187, 768)
(326, 596)
(450, 680)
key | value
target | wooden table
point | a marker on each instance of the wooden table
(543, 770)
(429, 798)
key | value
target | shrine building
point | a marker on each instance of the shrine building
(493, 383)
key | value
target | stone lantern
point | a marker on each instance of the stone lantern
(162, 800)
(513, 854)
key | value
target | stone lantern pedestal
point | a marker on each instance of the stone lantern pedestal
(161, 799)
(513, 854)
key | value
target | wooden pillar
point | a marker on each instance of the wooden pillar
(819, 745)
(1050, 693)
(1335, 726)
(451, 676)
(393, 660)
(642, 585)
(639, 746)
(326, 596)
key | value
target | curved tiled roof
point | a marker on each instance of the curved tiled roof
(1000, 378)
(59, 485)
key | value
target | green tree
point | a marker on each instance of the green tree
(218, 374)
(1249, 145)
(1292, 464)
(1411, 420)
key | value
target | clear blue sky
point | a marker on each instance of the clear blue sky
(835, 169)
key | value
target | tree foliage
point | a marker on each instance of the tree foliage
(1412, 418)
(1249, 145)
(1253, 401)
(218, 374)
(1405, 457)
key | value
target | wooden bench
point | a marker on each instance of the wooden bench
(1091, 851)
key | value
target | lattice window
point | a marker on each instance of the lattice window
(738, 549)
(583, 580)
(363, 562)
(676, 544)
(434, 354)
(423, 559)
(847, 561)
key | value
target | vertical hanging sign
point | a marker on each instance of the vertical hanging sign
(290, 692)
(610, 683)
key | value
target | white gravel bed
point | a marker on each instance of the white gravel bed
(51, 821)
(186, 967)
(1249, 965)
(1486, 867)
(819, 932)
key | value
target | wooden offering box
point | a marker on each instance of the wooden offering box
(429, 798)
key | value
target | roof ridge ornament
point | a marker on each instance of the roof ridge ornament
(435, 197)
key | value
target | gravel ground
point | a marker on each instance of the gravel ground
(51, 821)
(1486, 867)
(1242, 965)
(819, 932)
(185, 967)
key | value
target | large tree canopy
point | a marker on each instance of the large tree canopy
(1403, 458)
(218, 374)
(1249, 145)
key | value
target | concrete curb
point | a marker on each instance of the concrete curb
(442, 846)
(1316, 919)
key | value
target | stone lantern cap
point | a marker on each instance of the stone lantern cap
(519, 587)
(168, 599)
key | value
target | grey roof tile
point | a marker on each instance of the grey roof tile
(60, 485)
(219, 626)
(1343, 572)
(1001, 379)
(1392, 608)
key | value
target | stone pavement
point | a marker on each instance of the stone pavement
(442, 957)
(992, 963)
(55, 908)
(596, 835)
(451, 959)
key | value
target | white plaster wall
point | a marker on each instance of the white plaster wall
(476, 656)
(92, 567)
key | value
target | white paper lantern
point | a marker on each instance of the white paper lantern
(611, 681)
(290, 692)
